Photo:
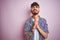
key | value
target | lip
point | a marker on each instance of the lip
(34, 10)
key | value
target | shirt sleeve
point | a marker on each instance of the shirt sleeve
(45, 27)
(27, 31)
(27, 27)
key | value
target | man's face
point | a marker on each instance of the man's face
(35, 10)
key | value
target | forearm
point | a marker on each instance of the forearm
(44, 34)
(28, 34)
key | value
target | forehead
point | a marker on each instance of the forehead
(35, 7)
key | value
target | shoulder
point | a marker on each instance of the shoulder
(43, 19)
(28, 20)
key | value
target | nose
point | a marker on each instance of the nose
(34, 7)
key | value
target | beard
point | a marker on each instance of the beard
(35, 13)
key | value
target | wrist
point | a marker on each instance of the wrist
(38, 27)
(32, 29)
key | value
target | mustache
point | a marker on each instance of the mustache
(34, 9)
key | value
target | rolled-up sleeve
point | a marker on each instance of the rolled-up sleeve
(27, 27)
(27, 31)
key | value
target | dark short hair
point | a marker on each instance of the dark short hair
(34, 4)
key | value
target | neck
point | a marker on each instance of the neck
(35, 16)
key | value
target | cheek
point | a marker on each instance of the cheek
(38, 10)
(32, 9)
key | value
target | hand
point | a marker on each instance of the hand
(37, 25)
(34, 25)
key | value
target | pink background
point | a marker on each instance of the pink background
(14, 13)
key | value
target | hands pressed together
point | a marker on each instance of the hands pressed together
(35, 24)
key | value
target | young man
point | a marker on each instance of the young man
(36, 28)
